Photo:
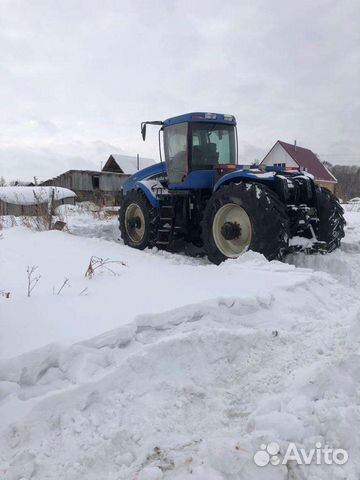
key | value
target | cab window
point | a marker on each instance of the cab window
(176, 151)
(212, 144)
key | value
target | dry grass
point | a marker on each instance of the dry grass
(32, 279)
(101, 265)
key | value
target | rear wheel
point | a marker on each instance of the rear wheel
(331, 216)
(137, 221)
(244, 216)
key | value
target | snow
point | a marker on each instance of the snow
(353, 205)
(170, 367)
(33, 195)
(150, 282)
(128, 164)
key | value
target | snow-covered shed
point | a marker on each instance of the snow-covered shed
(92, 185)
(126, 164)
(28, 201)
(284, 154)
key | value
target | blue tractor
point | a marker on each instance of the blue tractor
(198, 198)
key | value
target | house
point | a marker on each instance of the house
(126, 164)
(284, 154)
(32, 201)
(90, 185)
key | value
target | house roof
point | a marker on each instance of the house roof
(127, 164)
(92, 172)
(307, 159)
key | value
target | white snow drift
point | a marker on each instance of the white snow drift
(181, 369)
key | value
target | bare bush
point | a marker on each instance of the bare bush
(32, 279)
(4, 293)
(39, 221)
(100, 265)
(7, 221)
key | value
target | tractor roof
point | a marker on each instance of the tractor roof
(201, 117)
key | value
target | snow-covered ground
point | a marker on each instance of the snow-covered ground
(353, 205)
(168, 367)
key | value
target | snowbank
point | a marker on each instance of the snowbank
(352, 206)
(181, 370)
(33, 195)
(89, 220)
(191, 393)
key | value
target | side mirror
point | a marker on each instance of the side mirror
(143, 131)
(143, 127)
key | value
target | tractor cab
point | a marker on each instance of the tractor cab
(196, 147)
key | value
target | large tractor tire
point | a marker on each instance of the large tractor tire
(137, 221)
(244, 216)
(332, 221)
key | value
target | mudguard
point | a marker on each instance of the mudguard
(144, 174)
(247, 176)
(149, 187)
(142, 180)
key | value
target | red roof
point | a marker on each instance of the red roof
(307, 159)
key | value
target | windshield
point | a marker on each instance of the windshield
(212, 144)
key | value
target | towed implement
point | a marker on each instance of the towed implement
(200, 199)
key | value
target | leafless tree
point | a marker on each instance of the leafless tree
(348, 178)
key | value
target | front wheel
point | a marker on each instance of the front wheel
(244, 216)
(137, 221)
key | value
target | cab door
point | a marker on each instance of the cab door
(176, 152)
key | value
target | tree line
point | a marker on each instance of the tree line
(348, 178)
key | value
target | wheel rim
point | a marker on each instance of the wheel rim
(232, 230)
(135, 223)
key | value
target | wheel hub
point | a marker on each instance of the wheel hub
(135, 223)
(232, 230)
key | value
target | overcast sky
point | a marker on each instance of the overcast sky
(77, 77)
